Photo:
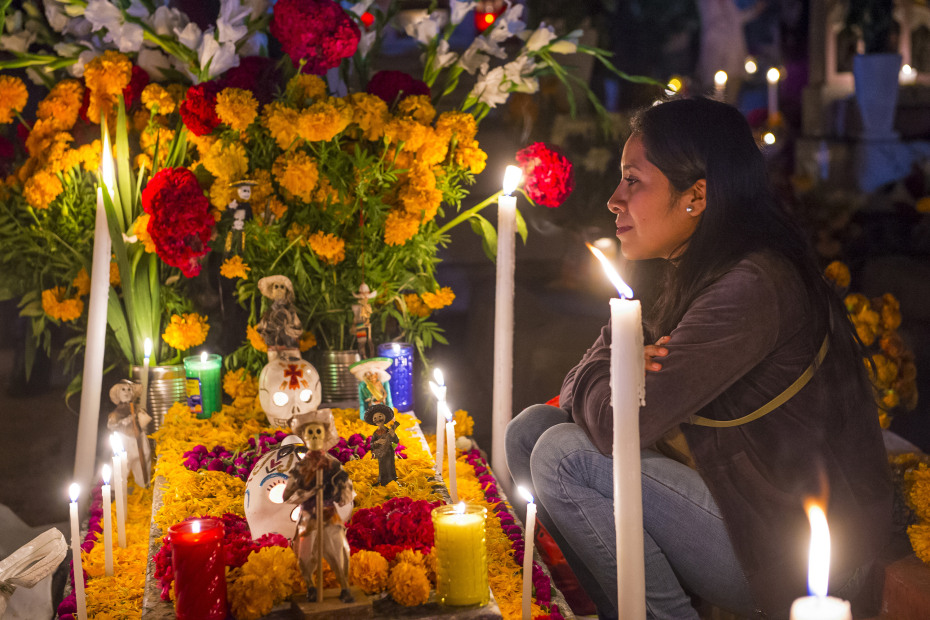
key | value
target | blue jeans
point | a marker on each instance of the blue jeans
(687, 547)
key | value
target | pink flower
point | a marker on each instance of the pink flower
(318, 32)
(547, 173)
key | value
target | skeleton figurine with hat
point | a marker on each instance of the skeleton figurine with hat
(279, 326)
(239, 210)
(325, 494)
(383, 441)
(374, 382)
(130, 421)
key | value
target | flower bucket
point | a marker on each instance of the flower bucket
(166, 387)
(338, 383)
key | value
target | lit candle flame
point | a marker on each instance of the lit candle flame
(437, 374)
(751, 66)
(107, 170)
(195, 527)
(818, 568)
(623, 290)
(203, 357)
(74, 491)
(147, 348)
(512, 177)
(105, 472)
(444, 408)
(116, 443)
(525, 493)
(460, 508)
(720, 78)
(772, 75)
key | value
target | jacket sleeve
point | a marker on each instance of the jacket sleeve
(728, 329)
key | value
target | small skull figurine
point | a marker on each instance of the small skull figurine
(287, 387)
(265, 508)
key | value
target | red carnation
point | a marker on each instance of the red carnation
(318, 32)
(181, 222)
(392, 86)
(547, 174)
(198, 110)
(133, 90)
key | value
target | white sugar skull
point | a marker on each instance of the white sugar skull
(265, 508)
(288, 386)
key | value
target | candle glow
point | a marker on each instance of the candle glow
(720, 78)
(528, 542)
(623, 289)
(751, 66)
(772, 75)
(818, 567)
(147, 348)
(74, 491)
(512, 177)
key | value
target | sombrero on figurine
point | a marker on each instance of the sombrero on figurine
(320, 416)
(244, 183)
(114, 391)
(264, 285)
(379, 408)
(377, 365)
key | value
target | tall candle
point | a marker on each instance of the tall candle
(92, 378)
(450, 443)
(117, 444)
(199, 564)
(438, 388)
(107, 523)
(528, 544)
(74, 491)
(772, 76)
(461, 554)
(204, 386)
(720, 86)
(627, 382)
(147, 354)
(819, 606)
(502, 409)
(124, 477)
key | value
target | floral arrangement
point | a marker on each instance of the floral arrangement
(912, 481)
(890, 361)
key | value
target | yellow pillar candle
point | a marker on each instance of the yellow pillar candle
(462, 566)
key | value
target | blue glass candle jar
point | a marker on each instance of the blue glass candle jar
(401, 371)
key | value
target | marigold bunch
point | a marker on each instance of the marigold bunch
(329, 247)
(59, 307)
(13, 98)
(369, 571)
(186, 331)
(236, 107)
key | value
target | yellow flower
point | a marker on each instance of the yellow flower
(369, 571)
(106, 76)
(234, 267)
(370, 113)
(411, 556)
(227, 161)
(302, 87)
(330, 248)
(417, 107)
(13, 98)
(269, 576)
(468, 155)
(889, 399)
(890, 312)
(408, 584)
(62, 104)
(59, 307)
(298, 232)
(415, 305)
(325, 194)
(464, 424)
(461, 126)
(838, 273)
(186, 331)
(275, 207)
(221, 194)
(409, 132)
(81, 282)
(281, 123)
(920, 540)
(400, 227)
(434, 149)
(236, 107)
(323, 120)
(440, 299)
(297, 173)
(255, 339)
(42, 188)
(90, 155)
(140, 228)
(307, 341)
(157, 99)
(114, 274)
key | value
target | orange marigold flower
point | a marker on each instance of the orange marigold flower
(297, 173)
(369, 571)
(307, 341)
(234, 267)
(106, 76)
(323, 120)
(468, 155)
(415, 305)
(408, 584)
(281, 123)
(923, 205)
(59, 307)
(440, 299)
(157, 99)
(370, 113)
(890, 312)
(140, 228)
(408, 132)
(417, 107)
(461, 126)
(82, 282)
(304, 86)
(42, 188)
(330, 248)
(838, 273)
(255, 339)
(13, 98)
(236, 107)
(400, 227)
(114, 274)
(186, 331)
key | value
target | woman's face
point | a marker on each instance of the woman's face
(652, 221)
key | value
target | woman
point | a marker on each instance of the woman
(741, 314)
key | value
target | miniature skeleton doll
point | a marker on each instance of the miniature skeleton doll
(383, 441)
(374, 383)
(130, 421)
(279, 326)
(319, 479)
(238, 211)
(361, 313)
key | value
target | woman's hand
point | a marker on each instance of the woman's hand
(655, 350)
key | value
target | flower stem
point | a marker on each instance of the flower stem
(464, 215)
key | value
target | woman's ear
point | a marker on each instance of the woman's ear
(696, 198)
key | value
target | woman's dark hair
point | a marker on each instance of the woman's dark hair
(692, 139)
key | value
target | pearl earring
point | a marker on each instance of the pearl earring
(689, 209)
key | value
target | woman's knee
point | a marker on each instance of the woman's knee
(524, 430)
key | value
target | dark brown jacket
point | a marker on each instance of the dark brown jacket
(742, 342)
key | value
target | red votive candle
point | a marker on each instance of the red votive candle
(199, 569)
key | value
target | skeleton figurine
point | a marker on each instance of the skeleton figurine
(362, 317)
(279, 326)
(383, 441)
(131, 422)
(324, 491)
(239, 210)
(374, 383)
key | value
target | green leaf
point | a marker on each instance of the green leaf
(521, 225)
(485, 229)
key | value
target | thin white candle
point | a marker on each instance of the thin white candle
(450, 444)
(147, 352)
(720, 85)
(92, 379)
(819, 606)
(750, 65)
(438, 388)
(107, 523)
(772, 76)
(74, 491)
(502, 409)
(528, 545)
(627, 382)
(117, 445)
(907, 75)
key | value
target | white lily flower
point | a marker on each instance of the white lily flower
(79, 27)
(518, 72)
(426, 29)
(137, 9)
(359, 8)
(154, 61)
(220, 56)
(103, 15)
(444, 56)
(258, 8)
(190, 37)
(540, 38)
(66, 50)
(167, 21)
(366, 41)
(508, 24)
(476, 56)
(56, 16)
(568, 44)
(230, 23)
(17, 42)
(460, 9)
(489, 89)
(126, 37)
